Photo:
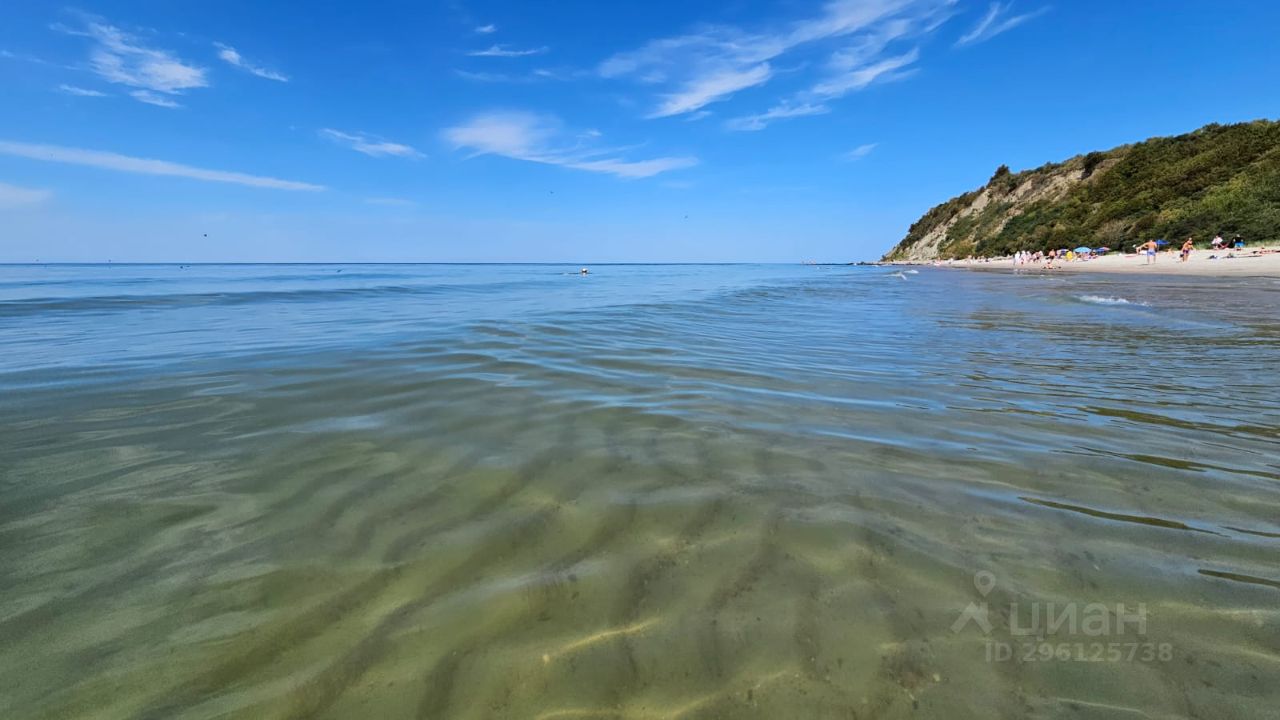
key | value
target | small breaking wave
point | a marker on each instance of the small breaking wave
(1103, 300)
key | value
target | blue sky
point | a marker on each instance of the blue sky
(577, 131)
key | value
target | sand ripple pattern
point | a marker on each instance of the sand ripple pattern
(691, 493)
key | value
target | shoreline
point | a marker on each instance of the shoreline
(1250, 262)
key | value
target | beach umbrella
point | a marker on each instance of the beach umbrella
(1102, 250)
(1083, 249)
(1162, 242)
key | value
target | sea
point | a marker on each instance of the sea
(648, 491)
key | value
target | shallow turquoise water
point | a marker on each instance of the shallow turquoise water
(654, 491)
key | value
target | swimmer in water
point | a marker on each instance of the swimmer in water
(584, 271)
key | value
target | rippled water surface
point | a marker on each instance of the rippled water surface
(651, 492)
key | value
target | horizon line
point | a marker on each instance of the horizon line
(578, 263)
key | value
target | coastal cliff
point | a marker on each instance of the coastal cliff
(1219, 179)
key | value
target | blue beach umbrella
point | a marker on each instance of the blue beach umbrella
(1083, 249)
(1162, 242)
(1103, 250)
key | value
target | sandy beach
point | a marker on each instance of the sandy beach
(1260, 262)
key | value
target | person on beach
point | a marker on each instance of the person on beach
(1217, 241)
(1149, 247)
(1187, 247)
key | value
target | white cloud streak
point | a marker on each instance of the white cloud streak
(997, 21)
(860, 62)
(701, 91)
(369, 144)
(717, 62)
(837, 84)
(502, 51)
(540, 139)
(10, 55)
(14, 196)
(779, 112)
(485, 77)
(487, 29)
(143, 166)
(79, 91)
(538, 75)
(860, 152)
(860, 78)
(150, 98)
(119, 57)
(232, 57)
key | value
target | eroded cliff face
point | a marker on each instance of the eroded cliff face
(1220, 179)
(953, 229)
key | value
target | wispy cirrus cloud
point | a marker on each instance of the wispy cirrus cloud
(144, 166)
(781, 111)
(390, 202)
(997, 20)
(539, 75)
(15, 196)
(79, 91)
(542, 139)
(120, 57)
(486, 29)
(23, 57)
(844, 77)
(370, 145)
(150, 98)
(860, 152)
(502, 51)
(714, 63)
(233, 57)
(696, 69)
(861, 77)
(703, 90)
(486, 77)
(861, 60)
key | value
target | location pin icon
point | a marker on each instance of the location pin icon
(984, 581)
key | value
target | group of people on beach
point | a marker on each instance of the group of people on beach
(1148, 250)
(1026, 257)
(1150, 247)
(1219, 244)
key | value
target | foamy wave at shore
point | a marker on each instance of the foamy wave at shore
(1103, 300)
